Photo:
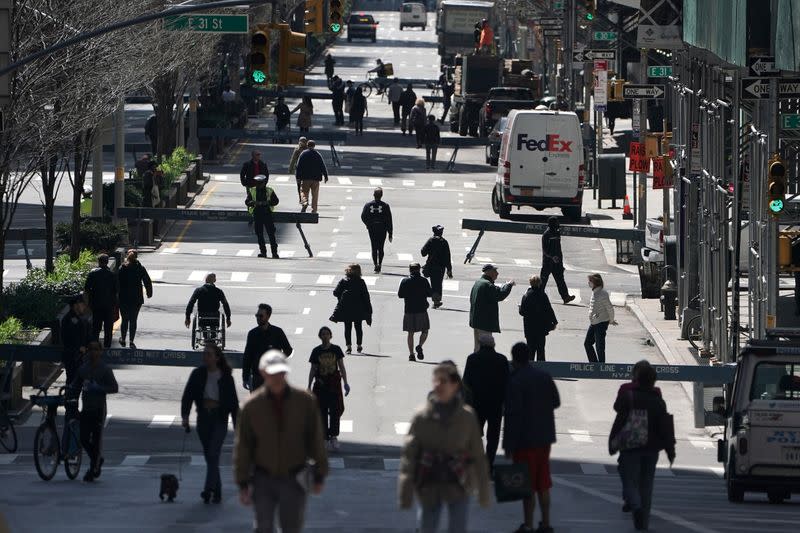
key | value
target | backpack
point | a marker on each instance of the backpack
(633, 433)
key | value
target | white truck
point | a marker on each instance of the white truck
(455, 26)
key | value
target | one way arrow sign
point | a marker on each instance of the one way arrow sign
(643, 91)
(762, 66)
(583, 56)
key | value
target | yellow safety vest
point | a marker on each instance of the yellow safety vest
(253, 194)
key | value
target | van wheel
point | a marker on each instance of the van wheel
(500, 207)
(495, 202)
(572, 213)
(777, 496)
(462, 122)
(734, 490)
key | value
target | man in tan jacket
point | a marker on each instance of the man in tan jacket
(278, 434)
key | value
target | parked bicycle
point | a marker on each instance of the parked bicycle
(8, 435)
(48, 450)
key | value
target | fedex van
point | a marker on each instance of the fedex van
(541, 163)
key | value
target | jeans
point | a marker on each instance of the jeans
(557, 269)
(103, 318)
(92, 422)
(404, 123)
(396, 112)
(638, 471)
(348, 332)
(212, 429)
(130, 317)
(282, 494)
(457, 516)
(329, 409)
(596, 338)
(430, 155)
(262, 219)
(536, 346)
(377, 241)
(492, 419)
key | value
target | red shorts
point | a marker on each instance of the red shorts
(538, 461)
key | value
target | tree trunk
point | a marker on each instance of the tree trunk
(77, 195)
(164, 96)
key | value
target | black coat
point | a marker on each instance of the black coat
(660, 426)
(358, 106)
(430, 134)
(415, 290)
(529, 409)
(551, 244)
(407, 100)
(260, 341)
(486, 378)
(208, 298)
(196, 386)
(538, 315)
(437, 250)
(354, 303)
(131, 278)
(102, 288)
(248, 172)
(75, 333)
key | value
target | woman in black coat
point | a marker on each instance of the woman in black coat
(132, 275)
(358, 108)
(437, 250)
(538, 317)
(211, 389)
(354, 306)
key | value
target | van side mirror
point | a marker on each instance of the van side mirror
(718, 406)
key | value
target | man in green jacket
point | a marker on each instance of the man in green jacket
(484, 315)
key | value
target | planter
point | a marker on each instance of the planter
(181, 188)
(191, 177)
(40, 373)
(141, 231)
(172, 198)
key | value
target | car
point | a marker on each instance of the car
(413, 14)
(493, 144)
(362, 26)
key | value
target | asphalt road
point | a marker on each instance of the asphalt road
(143, 437)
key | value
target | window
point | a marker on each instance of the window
(776, 381)
(407, 8)
(361, 19)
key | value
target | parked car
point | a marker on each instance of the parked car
(413, 14)
(362, 26)
(493, 142)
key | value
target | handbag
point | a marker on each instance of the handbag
(512, 482)
(633, 433)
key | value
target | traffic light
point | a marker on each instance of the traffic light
(313, 22)
(292, 57)
(258, 72)
(615, 90)
(335, 22)
(591, 9)
(776, 185)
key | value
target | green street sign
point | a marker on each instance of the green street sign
(205, 23)
(558, 6)
(790, 122)
(659, 71)
(605, 35)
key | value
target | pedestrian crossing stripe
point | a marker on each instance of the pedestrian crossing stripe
(363, 255)
(325, 279)
(239, 276)
(169, 251)
(579, 435)
(408, 183)
(282, 179)
(483, 259)
(346, 426)
(283, 278)
(370, 280)
(209, 251)
(401, 428)
(245, 253)
(344, 181)
(286, 253)
(375, 181)
(325, 253)
(470, 185)
(156, 275)
(197, 275)
(405, 257)
(375, 167)
(135, 460)
(522, 262)
(438, 183)
(298, 331)
(450, 285)
(162, 421)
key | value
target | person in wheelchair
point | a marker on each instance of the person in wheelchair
(208, 298)
(380, 71)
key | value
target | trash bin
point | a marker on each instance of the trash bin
(611, 177)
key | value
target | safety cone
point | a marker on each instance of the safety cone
(627, 214)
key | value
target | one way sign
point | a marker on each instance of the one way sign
(583, 56)
(759, 88)
(762, 66)
(642, 91)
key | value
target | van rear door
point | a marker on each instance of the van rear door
(564, 154)
(528, 132)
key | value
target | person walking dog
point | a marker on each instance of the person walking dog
(538, 317)
(211, 390)
(132, 276)
(601, 314)
(353, 306)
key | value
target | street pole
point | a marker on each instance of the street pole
(97, 177)
(119, 158)
(194, 142)
(642, 181)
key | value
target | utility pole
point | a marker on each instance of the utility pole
(641, 193)
(119, 158)
(194, 143)
(97, 176)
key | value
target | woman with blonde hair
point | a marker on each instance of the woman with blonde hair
(353, 306)
(601, 314)
(417, 120)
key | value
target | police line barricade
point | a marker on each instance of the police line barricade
(221, 215)
(707, 375)
(116, 356)
(456, 143)
(537, 228)
(25, 235)
(317, 135)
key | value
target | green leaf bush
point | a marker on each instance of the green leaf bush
(95, 236)
(175, 165)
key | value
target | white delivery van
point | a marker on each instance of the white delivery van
(413, 14)
(541, 163)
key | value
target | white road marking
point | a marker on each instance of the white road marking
(346, 167)
(162, 421)
(461, 202)
(209, 251)
(594, 469)
(408, 183)
(325, 253)
(333, 244)
(697, 443)
(618, 299)
(108, 418)
(306, 310)
(376, 181)
(312, 293)
(156, 275)
(401, 428)
(370, 280)
(405, 257)
(344, 181)
(285, 253)
(450, 285)
(135, 460)
(470, 185)
(346, 426)
(342, 207)
(363, 255)
(522, 262)
(391, 464)
(335, 230)
(282, 179)
(197, 275)
(483, 259)
(239, 276)
(336, 463)
(298, 331)
(579, 435)
(438, 183)
(169, 251)
(283, 278)
(220, 178)
(325, 279)
(245, 253)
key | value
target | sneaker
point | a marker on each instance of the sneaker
(349, 349)
(412, 358)
(122, 341)
(523, 529)
(544, 529)
(378, 269)
(359, 349)
(275, 255)
(88, 477)
(569, 298)
(264, 255)
(420, 355)
(334, 443)
(133, 346)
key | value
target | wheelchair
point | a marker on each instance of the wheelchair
(208, 329)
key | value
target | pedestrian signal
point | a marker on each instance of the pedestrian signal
(776, 185)
(335, 15)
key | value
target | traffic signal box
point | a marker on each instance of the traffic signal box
(314, 17)
(615, 90)
(335, 19)
(258, 65)
(591, 9)
(292, 57)
(776, 185)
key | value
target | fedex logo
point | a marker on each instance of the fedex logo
(551, 143)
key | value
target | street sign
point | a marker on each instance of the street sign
(207, 23)
(601, 89)
(551, 22)
(788, 122)
(581, 56)
(659, 71)
(548, 32)
(636, 118)
(642, 91)
(758, 88)
(762, 66)
(638, 158)
(605, 35)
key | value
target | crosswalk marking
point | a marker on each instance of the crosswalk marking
(405, 257)
(135, 460)
(401, 428)
(286, 253)
(522, 262)
(363, 255)
(239, 276)
(370, 280)
(470, 185)
(438, 183)
(245, 253)
(336, 463)
(346, 426)
(306, 310)
(298, 331)
(161, 421)
(375, 167)
(375, 181)
(312, 293)
(169, 251)
(283, 278)
(408, 183)
(618, 298)
(325, 253)
(580, 435)
(325, 279)
(450, 285)
(483, 259)
(209, 251)
(197, 275)
(220, 178)
(344, 181)
(282, 179)
(594, 469)
(156, 275)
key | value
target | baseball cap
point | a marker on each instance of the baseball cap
(273, 362)
(487, 267)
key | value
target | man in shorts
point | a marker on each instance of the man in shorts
(530, 430)
(415, 290)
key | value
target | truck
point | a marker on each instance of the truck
(455, 26)
(475, 76)
(499, 102)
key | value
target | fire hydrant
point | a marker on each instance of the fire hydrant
(669, 298)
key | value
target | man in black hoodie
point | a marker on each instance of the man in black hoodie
(377, 217)
(553, 259)
(102, 290)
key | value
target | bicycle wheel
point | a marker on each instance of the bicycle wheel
(46, 451)
(72, 448)
(366, 89)
(8, 435)
(694, 332)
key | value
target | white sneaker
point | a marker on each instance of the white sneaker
(334, 443)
